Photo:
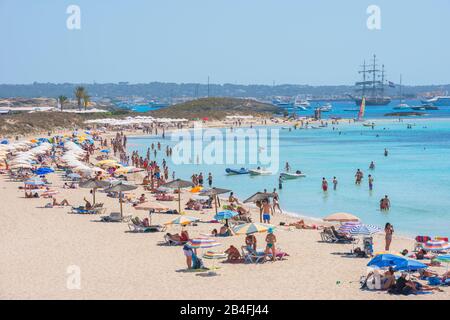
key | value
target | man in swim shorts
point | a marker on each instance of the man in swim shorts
(266, 210)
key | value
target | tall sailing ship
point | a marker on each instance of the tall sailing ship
(372, 85)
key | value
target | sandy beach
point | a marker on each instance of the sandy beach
(40, 247)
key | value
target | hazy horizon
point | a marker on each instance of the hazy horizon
(320, 43)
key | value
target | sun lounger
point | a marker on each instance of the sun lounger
(82, 210)
(172, 242)
(327, 235)
(253, 256)
(115, 217)
(141, 228)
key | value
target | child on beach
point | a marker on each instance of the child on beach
(270, 239)
(266, 211)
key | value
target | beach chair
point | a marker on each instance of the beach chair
(368, 246)
(115, 217)
(141, 228)
(172, 242)
(327, 236)
(251, 256)
(420, 241)
(82, 210)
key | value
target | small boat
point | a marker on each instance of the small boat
(260, 171)
(237, 171)
(401, 106)
(368, 124)
(291, 175)
(425, 107)
(326, 108)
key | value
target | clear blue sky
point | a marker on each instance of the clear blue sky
(233, 41)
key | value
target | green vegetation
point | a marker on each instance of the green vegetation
(79, 94)
(62, 100)
(216, 108)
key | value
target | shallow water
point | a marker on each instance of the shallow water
(415, 175)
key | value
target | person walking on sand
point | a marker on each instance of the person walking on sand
(388, 230)
(370, 182)
(324, 184)
(270, 246)
(335, 182)
(276, 201)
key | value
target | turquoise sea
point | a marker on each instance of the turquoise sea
(415, 175)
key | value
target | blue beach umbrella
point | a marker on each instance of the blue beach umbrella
(43, 171)
(225, 215)
(399, 263)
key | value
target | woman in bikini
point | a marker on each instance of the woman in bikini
(389, 230)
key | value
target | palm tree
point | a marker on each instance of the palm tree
(80, 92)
(86, 100)
(62, 100)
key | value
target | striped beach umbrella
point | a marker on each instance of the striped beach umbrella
(364, 229)
(346, 227)
(183, 220)
(211, 255)
(250, 228)
(436, 245)
(445, 258)
(197, 243)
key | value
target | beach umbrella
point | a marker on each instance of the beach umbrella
(211, 255)
(397, 262)
(436, 245)
(225, 215)
(183, 220)
(74, 176)
(341, 217)
(197, 243)
(347, 226)
(259, 196)
(443, 258)
(178, 184)
(94, 185)
(151, 206)
(43, 171)
(35, 181)
(364, 229)
(214, 192)
(120, 187)
(249, 228)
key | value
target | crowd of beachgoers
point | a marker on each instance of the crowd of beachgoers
(94, 165)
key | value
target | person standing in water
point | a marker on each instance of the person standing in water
(386, 152)
(335, 182)
(372, 166)
(210, 179)
(280, 182)
(388, 230)
(324, 184)
(288, 167)
(370, 182)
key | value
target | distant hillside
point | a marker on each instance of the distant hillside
(216, 108)
(162, 90)
(42, 122)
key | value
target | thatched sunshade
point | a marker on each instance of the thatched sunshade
(178, 184)
(213, 192)
(121, 187)
(94, 185)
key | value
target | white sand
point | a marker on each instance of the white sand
(38, 245)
